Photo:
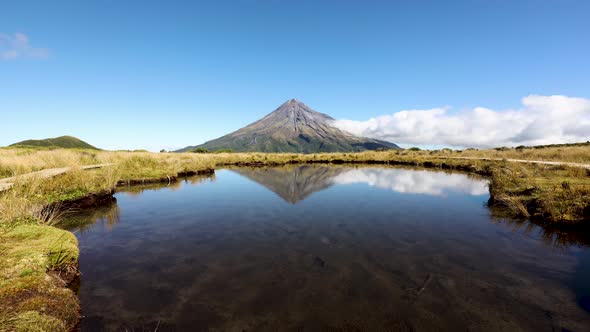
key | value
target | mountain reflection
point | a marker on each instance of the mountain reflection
(293, 183)
(296, 183)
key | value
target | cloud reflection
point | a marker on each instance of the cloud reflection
(414, 181)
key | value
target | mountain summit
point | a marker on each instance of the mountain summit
(293, 127)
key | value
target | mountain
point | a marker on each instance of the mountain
(293, 127)
(66, 142)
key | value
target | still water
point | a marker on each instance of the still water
(325, 248)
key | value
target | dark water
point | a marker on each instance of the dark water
(326, 249)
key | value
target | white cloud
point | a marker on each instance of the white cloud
(540, 120)
(17, 46)
(412, 181)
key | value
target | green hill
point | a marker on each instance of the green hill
(65, 142)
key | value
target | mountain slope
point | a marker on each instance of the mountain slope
(67, 142)
(293, 127)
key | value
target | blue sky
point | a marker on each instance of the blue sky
(164, 74)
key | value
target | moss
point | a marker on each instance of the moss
(25, 272)
(33, 297)
(71, 195)
(32, 321)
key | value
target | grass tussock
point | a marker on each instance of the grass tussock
(35, 262)
(574, 153)
(552, 193)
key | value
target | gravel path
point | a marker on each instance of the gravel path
(542, 162)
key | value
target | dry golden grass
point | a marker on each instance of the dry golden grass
(573, 154)
(15, 161)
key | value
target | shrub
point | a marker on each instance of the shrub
(200, 150)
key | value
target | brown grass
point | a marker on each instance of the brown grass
(573, 154)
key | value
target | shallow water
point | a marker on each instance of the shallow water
(325, 249)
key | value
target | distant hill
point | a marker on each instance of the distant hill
(293, 127)
(66, 142)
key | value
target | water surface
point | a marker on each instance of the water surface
(325, 249)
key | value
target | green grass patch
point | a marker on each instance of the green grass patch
(32, 298)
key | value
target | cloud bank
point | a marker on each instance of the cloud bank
(17, 46)
(541, 120)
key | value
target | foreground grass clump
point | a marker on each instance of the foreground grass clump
(547, 192)
(136, 166)
(28, 198)
(37, 263)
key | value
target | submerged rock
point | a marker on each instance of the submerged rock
(318, 262)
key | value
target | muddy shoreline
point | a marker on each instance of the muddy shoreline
(167, 179)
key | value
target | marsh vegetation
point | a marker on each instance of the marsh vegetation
(555, 194)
